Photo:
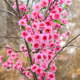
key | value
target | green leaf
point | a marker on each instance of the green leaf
(28, 12)
(28, 60)
(28, 22)
(8, 68)
(62, 24)
(56, 21)
(42, 60)
(44, 7)
(23, 27)
(38, 64)
(30, 45)
(5, 59)
(59, 53)
(65, 6)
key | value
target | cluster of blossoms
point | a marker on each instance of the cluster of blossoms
(42, 33)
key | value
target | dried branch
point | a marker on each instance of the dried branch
(14, 37)
(8, 11)
(62, 49)
(7, 2)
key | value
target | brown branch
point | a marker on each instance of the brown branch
(8, 11)
(49, 8)
(27, 3)
(28, 48)
(7, 2)
(30, 58)
(18, 11)
(12, 49)
(73, 45)
(62, 49)
(14, 37)
(24, 75)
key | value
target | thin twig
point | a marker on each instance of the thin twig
(49, 8)
(62, 49)
(73, 45)
(12, 49)
(24, 75)
(11, 7)
(8, 11)
(18, 11)
(14, 37)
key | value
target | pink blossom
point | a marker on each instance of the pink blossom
(29, 39)
(47, 30)
(41, 26)
(39, 78)
(9, 52)
(62, 1)
(68, 32)
(37, 37)
(36, 45)
(43, 45)
(57, 25)
(45, 56)
(56, 36)
(22, 7)
(51, 75)
(52, 45)
(50, 57)
(22, 22)
(64, 21)
(64, 35)
(44, 37)
(26, 54)
(38, 57)
(38, 70)
(24, 34)
(57, 16)
(23, 48)
(58, 47)
(1, 59)
(35, 14)
(68, 1)
(44, 3)
(50, 1)
(43, 74)
(22, 79)
(48, 23)
(34, 67)
(53, 68)
(36, 7)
